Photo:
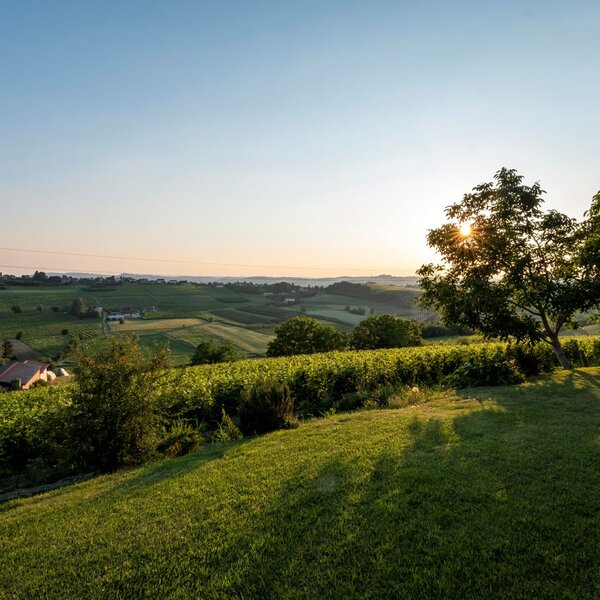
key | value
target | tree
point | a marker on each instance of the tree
(589, 256)
(385, 331)
(115, 418)
(209, 352)
(305, 335)
(511, 269)
(78, 307)
(16, 308)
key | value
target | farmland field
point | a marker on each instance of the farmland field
(181, 315)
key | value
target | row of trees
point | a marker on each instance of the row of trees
(511, 269)
(306, 335)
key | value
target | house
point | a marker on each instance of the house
(22, 375)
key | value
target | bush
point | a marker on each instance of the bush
(210, 352)
(16, 308)
(180, 438)
(115, 420)
(483, 371)
(532, 359)
(305, 335)
(18, 335)
(385, 331)
(266, 407)
(64, 332)
(227, 430)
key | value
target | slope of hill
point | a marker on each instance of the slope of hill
(491, 493)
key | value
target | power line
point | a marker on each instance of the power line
(69, 270)
(188, 262)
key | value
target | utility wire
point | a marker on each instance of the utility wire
(188, 262)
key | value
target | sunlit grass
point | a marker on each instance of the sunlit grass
(493, 493)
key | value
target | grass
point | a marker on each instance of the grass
(493, 493)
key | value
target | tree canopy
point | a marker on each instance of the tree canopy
(210, 352)
(385, 331)
(511, 269)
(305, 335)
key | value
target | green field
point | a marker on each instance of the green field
(493, 493)
(185, 314)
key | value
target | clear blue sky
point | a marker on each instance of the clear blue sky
(299, 138)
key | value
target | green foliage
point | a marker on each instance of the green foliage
(78, 307)
(385, 331)
(520, 272)
(227, 430)
(6, 350)
(180, 438)
(267, 406)
(317, 383)
(210, 352)
(115, 420)
(433, 330)
(532, 359)
(33, 426)
(16, 308)
(305, 335)
(485, 371)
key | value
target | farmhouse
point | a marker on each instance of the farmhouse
(21, 375)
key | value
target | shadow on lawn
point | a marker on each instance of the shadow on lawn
(500, 502)
(143, 478)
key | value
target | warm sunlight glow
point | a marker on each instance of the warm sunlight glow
(465, 229)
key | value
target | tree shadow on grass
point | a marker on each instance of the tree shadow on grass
(502, 502)
(129, 482)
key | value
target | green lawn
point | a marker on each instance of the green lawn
(493, 493)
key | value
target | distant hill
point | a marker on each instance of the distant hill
(303, 281)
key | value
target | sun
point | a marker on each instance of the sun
(465, 229)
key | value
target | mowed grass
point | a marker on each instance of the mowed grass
(493, 493)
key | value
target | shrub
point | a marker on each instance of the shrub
(115, 421)
(385, 331)
(18, 335)
(532, 359)
(210, 352)
(64, 332)
(16, 308)
(305, 335)
(266, 407)
(484, 370)
(180, 438)
(227, 430)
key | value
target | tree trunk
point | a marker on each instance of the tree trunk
(560, 354)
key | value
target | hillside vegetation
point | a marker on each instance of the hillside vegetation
(490, 493)
(35, 424)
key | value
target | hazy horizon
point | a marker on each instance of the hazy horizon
(278, 139)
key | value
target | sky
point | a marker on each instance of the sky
(280, 138)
